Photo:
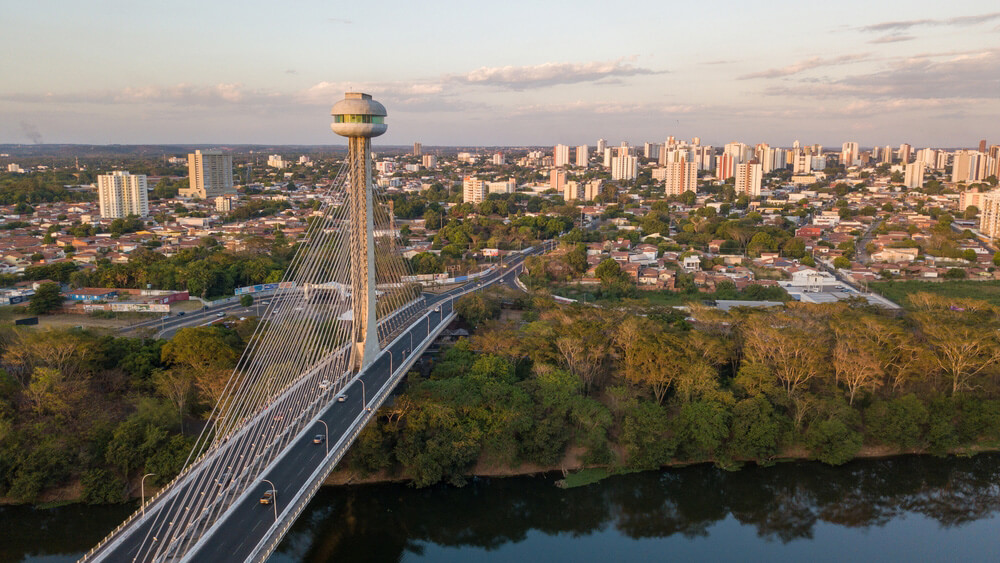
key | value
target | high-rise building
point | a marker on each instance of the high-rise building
(982, 145)
(741, 152)
(121, 194)
(967, 166)
(582, 158)
(849, 153)
(607, 157)
(560, 156)
(573, 191)
(989, 215)
(418, 149)
(725, 167)
(276, 161)
(905, 152)
(499, 159)
(593, 189)
(430, 161)
(507, 187)
(210, 174)
(680, 177)
(651, 150)
(748, 178)
(473, 190)
(914, 176)
(557, 180)
(601, 145)
(886, 155)
(624, 166)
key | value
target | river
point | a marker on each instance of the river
(900, 509)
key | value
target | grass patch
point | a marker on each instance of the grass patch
(584, 477)
(898, 291)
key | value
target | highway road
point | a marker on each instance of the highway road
(236, 534)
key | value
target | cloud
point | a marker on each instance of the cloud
(802, 66)
(924, 82)
(907, 24)
(601, 108)
(344, 21)
(549, 74)
(185, 95)
(892, 39)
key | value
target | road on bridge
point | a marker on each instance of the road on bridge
(237, 533)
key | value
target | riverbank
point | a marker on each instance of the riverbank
(348, 477)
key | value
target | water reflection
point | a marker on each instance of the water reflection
(783, 503)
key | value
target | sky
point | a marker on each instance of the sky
(507, 73)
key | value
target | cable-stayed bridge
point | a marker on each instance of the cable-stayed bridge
(335, 340)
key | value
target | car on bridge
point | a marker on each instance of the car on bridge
(325, 384)
(341, 398)
(224, 479)
(318, 439)
(268, 497)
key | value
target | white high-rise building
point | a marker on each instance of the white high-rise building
(582, 156)
(121, 194)
(989, 215)
(741, 152)
(601, 145)
(473, 190)
(607, 157)
(507, 187)
(914, 176)
(210, 174)
(499, 159)
(886, 155)
(275, 161)
(430, 161)
(748, 178)
(680, 177)
(560, 156)
(849, 153)
(624, 166)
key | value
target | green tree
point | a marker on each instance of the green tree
(47, 298)
(841, 263)
(756, 430)
(246, 300)
(702, 425)
(832, 441)
(900, 422)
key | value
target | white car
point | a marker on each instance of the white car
(325, 384)
(341, 398)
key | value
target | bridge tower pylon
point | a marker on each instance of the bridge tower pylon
(359, 118)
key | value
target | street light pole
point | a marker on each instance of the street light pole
(142, 492)
(274, 498)
(364, 399)
(327, 441)
(390, 362)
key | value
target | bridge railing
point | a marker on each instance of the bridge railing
(298, 503)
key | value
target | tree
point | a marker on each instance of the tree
(962, 351)
(971, 212)
(205, 354)
(476, 307)
(756, 429)
(47, 298)
(608, 271)
(246, 300)
(833, 442)
(175, 385)
(841, 263)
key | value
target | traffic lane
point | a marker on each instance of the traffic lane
(232, 540)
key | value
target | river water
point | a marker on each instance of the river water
(901, 509)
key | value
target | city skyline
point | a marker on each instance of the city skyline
(532, 74)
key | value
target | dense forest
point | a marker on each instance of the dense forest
(83, 415)
(634, 388)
